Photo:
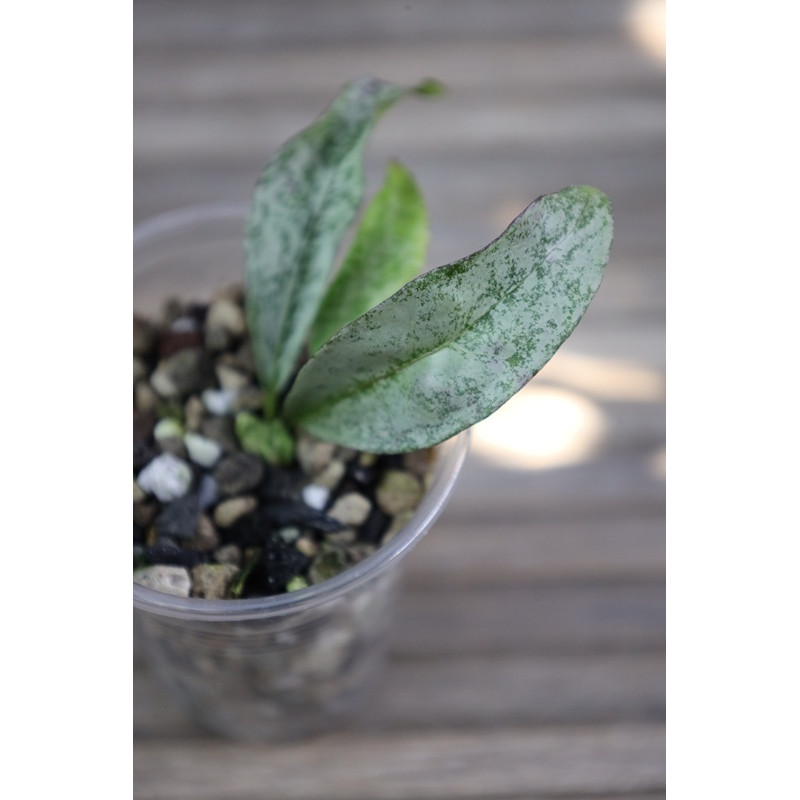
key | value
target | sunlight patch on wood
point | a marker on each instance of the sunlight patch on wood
(605, 378)
(647, 24)
(541, 428)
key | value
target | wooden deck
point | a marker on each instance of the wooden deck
(528, 658)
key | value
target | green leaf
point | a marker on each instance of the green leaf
(387, 251)
(302, 206)
(269, 439)
(452, 346)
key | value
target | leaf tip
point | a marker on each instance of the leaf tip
(430, 87)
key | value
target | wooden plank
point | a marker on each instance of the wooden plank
(474, 692)
(462, 551)
(617, 616)
(515, 762)
(164, 135)
(303, 77)
(613, 483)
(349, 22)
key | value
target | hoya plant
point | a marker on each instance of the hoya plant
(394, 361)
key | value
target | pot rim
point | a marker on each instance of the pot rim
(449, 460)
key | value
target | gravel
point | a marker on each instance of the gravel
(213, 521)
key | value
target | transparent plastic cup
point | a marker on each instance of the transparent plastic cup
(288, 665)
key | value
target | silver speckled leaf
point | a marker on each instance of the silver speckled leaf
(453, 345)
(388, 250)
(302, 206)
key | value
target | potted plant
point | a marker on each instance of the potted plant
(294, 437)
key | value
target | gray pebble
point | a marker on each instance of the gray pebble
(167, 579)
(185, 372)
(173, 445)
(238, 474)
(289, 534)
(178, 519)
(222, 431)
(167, 477)
(207, 494)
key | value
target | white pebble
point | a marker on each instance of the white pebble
(315, 496)
(167, 477)
(219, 401)
(167, 579)
(203, 451)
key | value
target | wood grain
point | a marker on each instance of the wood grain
(508, 761)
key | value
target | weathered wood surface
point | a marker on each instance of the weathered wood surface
(527, 658)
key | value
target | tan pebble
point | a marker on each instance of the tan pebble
(228, 511)
(233, 292)
(330, 476)
(367, 459)
(307, 546)
(396, 525)
(398, 491)
(193, 413)
(351, 509)
(230, 377)
(225, 321)
(313, 454)
(339, 538)
(144, 513)
(139, 369)
(420, 462)
(213, 581)
(250, 398)
(144, 397)
(206, 536)
(229, 554)
(138, 493)
(358, 552)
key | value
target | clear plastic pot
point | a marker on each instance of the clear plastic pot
(274, 667)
